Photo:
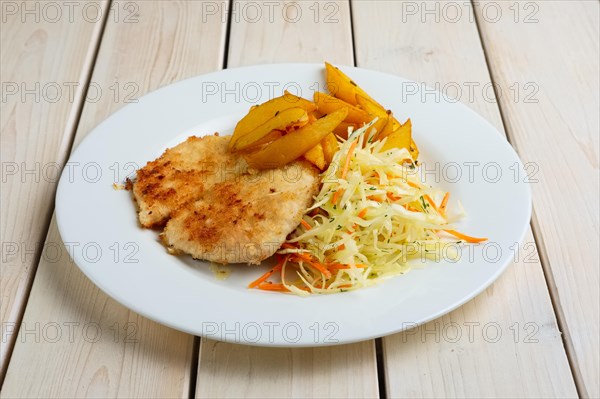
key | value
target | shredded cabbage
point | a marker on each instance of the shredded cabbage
(366, 226)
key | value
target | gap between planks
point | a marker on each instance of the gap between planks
(381, 375)
(227, 34)
(195, 360)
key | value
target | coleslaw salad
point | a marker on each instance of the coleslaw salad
(372, 216)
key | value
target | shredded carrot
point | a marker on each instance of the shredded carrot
(433, 205)
(305, 224)
(313, 262)
(444, 203)
(261, 279)
(345, 286)
(415, 185)
(321, 268)
(465, 237)
(341, 247)
(337, 195)
(375, 198)
(337, 266)
(348, 158)
(265, 276)
(362, 213)
(306, 257)
(393, 197)
(302, 257)
(273, 287)
(410, 208)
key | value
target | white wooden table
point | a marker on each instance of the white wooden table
(530, 67)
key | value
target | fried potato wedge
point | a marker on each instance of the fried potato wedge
(260, 114)
(400, 138)
(375, 110)
(378, 127)
(341, 86)
(316, 156)
(395, 125)
(328, 104)
(370, 106)
(345, 89)
(303, 103)
(313, 116)
(414, 150)
(257, 145)
(341, 130)
(330, 147)
(281, 120)
(388, 128)
(296, 143)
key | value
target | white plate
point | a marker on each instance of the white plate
(130, 265)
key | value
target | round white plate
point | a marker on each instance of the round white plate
(463, 153)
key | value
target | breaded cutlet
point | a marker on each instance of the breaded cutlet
(181, 174)
(247, 220)
(214, 207)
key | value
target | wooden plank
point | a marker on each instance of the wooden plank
(333, 372)
(553, 47)
(290, 31)
(344, 371)
(103, 348)
(46, 59)
(506, 342)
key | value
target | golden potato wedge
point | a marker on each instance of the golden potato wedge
(374, 108)
(260, 114)
(295, 144)
(313, 116)
(316, 156)
(370, 106)
(296, 101)
(330, 147)
(395, 124)
(414, 150)
(257, 145)
(281, 120)
(327, 104)
(341, 86)
(401, 138)
(341, 130)
(387, 129)
(378, 127)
